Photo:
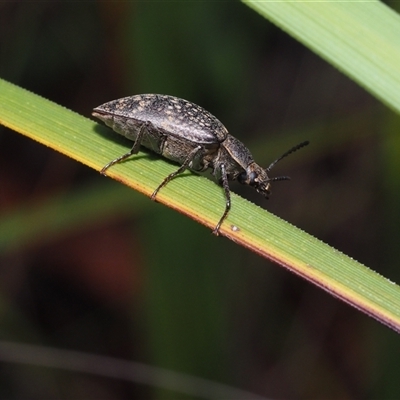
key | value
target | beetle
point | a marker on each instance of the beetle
(189, 135)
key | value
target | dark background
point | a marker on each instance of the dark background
(147, 284)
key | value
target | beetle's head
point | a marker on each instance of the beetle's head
(258, 178)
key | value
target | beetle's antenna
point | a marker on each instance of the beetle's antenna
(279, 178)
(292, 150)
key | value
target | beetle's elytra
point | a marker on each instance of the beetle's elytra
(189, 135)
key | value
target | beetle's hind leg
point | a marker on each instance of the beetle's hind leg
(192, 155)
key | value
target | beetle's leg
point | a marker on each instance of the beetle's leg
(182, 168)
(225, 185)
(135, 148)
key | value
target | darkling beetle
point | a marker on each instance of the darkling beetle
(189, 135)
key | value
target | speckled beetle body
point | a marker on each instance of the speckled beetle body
(189, 135)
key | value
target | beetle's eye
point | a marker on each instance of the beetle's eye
(242, 177)
(252, 177)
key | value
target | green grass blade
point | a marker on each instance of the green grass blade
(201, 199)
(360, 38)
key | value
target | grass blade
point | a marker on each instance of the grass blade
(202, 200)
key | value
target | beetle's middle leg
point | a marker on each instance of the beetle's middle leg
(135, 148)
(185, 165)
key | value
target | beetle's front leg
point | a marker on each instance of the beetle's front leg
(223, 180)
